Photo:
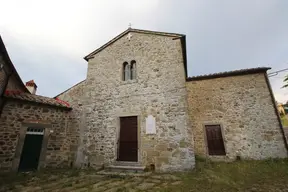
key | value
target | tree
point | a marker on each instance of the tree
(285, 81)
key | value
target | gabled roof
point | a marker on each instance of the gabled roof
(26, 95)
(230, 73)
(36, 99)
(10, 64)
(89, 56)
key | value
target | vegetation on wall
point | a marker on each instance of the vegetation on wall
(284, 121)
(285, 82)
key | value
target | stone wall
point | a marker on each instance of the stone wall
(158, 90)
(15, 119)
(244, 108)
(74, 96)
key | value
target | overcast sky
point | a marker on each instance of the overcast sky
(47, 40)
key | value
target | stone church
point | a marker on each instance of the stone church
(138, 109)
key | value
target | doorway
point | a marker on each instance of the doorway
(31, 149)
(128, 140)
(215, 142)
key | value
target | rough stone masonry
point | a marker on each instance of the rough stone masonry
(158, 90)
(243, 105)
(240, 102)
(87, 132)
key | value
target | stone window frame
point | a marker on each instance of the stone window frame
(133, 71)
(129, 71)
(20, 144)
(206, 143)
(139, 158)
(125, 71)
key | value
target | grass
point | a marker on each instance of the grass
(284, 120)
(240, 176)
(270, 175)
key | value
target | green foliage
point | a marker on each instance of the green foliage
(269, 175)
(284, 121)
(285, 82)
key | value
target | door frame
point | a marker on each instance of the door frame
(206, 142)
(117, 141)
(21, 140)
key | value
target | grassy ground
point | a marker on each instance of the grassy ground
(243, 176)
(284, 120)
(240, 176)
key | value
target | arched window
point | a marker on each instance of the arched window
(129, 70)
(133, 69)
(126, 71)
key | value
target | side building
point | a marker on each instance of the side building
(34, 130)
(234, 115)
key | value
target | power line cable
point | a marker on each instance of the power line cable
(276, 72)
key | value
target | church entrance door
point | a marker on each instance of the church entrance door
(128, 141)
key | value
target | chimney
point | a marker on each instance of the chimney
(31, 86)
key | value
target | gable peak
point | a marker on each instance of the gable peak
(127, 31)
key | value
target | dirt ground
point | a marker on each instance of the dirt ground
(80, 181)
(239, 176)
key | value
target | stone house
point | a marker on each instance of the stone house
(33, 129)
(240, 110)
(137, 109)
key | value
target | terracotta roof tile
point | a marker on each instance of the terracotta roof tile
(36, 99)
(229, 73)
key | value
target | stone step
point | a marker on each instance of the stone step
(125, 168)
(127, 163)
(123, 174)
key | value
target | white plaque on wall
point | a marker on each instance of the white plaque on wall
(150, 125)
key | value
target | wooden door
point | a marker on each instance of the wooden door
(215, 140)
(128, 141)
(31, 152)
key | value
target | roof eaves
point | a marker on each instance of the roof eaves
(9, 62)
(69, 88)
(89, 56)
(184, 54)
(40, 103)
(230, 73)
(157, 33)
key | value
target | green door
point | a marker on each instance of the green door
(31, 152)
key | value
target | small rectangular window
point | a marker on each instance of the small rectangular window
(214, 139)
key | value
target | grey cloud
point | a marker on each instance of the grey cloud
(221, 35)
(52, 71)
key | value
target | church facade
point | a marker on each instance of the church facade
(137, 76)
(137, 107)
